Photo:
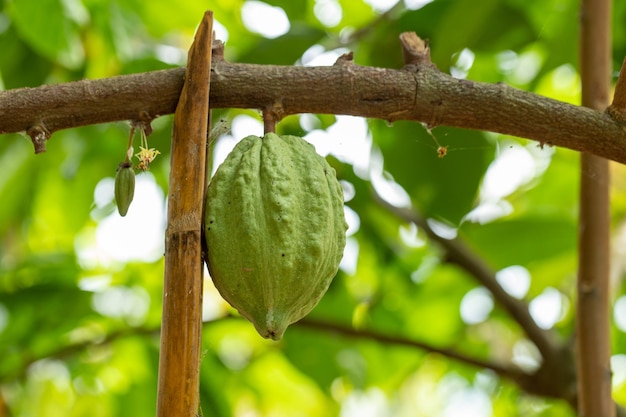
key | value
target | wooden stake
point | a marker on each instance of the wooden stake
(179, 361)
(593, 347)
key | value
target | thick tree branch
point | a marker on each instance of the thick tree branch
(419, 92)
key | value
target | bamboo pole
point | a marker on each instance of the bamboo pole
(592, 314)
(179, 361)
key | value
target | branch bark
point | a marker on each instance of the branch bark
(418, 92)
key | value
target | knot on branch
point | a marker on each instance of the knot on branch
(39, 135)
(143, 122)
(617, 114)
(415, 50)
(345, 59)
(217, 49)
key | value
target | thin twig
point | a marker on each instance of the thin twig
(458, 253)
(504, 371)
(64, 352)
(529, 383)
(68, 351)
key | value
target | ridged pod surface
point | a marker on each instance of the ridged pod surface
(275, 230)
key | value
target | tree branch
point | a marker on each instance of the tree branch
(556, 377)
(504, 371)
(419, 92)
(67, 351)
(458, 253)
(540, 383)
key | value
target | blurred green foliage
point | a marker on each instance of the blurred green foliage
(79, 321)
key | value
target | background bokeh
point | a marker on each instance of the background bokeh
(80, 287)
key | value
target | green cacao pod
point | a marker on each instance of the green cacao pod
(275, 230)
(124, 187)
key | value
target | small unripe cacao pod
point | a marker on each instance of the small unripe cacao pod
(275, 230)
(124, 187)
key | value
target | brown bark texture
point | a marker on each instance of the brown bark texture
(181, 328)
(593, 347)
(418, 92)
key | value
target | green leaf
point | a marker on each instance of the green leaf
(20, 65)
(16, 158)
(522, 241)
(47, 25)
(310, 353)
